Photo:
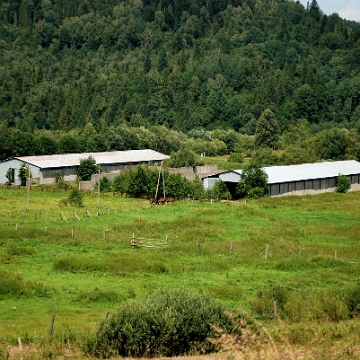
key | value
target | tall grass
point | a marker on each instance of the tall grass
(67, 267)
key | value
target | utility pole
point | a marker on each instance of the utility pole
(28, 184)
(98, 212)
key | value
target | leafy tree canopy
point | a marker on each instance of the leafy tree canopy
(86, 168)
(253, 182)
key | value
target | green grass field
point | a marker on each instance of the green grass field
(69, 268)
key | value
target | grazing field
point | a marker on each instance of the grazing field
(303, 252)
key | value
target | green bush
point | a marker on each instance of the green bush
(235, 158)
(343, 184)
(87, 168)
(105, 184)
(76, 198)
(168, 323)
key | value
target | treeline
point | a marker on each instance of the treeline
(182, 64)
(299, 144)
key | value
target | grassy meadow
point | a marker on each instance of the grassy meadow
(80, 270)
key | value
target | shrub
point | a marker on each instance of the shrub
(76, 198)
(105, 184)
(352, 300)
(24, 173)
(10, 176)
(12, 285)
(343, 184)
(168, 323)
(253, 182)
(220, 191)
(235, 158)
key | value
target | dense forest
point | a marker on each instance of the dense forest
(267, 78)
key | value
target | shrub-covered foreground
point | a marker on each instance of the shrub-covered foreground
(167, 323)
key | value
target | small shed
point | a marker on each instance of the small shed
(45, 167)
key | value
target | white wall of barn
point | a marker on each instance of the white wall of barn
(15, 164)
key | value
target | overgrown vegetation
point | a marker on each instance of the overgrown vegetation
(167, 323)
(81, 270)
(252, 183)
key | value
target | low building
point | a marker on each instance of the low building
(302, 179)
(44, 168)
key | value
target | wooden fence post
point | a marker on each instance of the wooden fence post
(72, 232)
(20, 348)
(335, 254)
(16, 226)
(266, 251)
(104, 235)
(197, 242)
(275, 312)
(52, 324)
(133, 239)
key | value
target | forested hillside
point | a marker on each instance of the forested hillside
(91, 75)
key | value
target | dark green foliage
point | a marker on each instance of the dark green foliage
(10, 176)
(252, 183)
(140, 181)
(198, 191)
(236, 157)
(183, 157)
(267, 130)
(105, 184)
(352, 300)
(87, 168)
(167, 323)
(75, 198)
(220, 191)
(221, 65)
(343, 184)
(334, 144)
(24, 173)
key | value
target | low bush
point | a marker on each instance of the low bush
(97, 295)
(12, 285)
(76, 198)
(343, 184)
(167, 323)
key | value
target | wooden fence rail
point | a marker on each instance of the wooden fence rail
(148, 243)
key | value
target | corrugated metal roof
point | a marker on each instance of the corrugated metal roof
(102, 158)
(289, 173)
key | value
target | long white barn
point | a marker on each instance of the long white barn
(45, 167)
(302, 179)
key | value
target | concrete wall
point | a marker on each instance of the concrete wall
(190, 172)
(90, 185)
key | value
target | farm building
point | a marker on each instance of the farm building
(303, 179)
(45, 167)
